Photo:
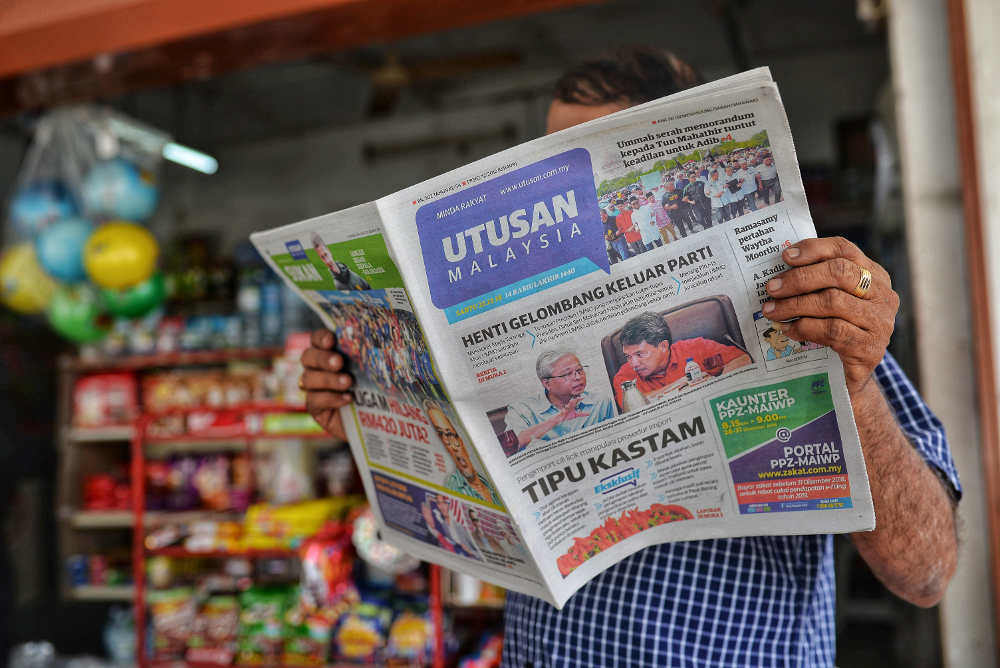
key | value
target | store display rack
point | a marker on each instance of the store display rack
(83, 450)
(141, 440)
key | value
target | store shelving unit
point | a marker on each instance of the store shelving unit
(141, 442)
(84, 450)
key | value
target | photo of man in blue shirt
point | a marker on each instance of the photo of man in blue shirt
(564, 407)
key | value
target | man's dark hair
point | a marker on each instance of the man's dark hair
(634, 74)
(768, 332)
(649, 327)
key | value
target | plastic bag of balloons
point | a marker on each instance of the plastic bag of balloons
(84, 163)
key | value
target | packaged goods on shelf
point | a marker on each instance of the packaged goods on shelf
(216, 628)
(106, 491)
(105, 399)
(267, 526)
(202, 389)
(362, 633)
(411, 638)
(172, 616)
(108, 568)
(261, 629)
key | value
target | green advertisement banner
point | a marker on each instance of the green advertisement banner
(751, 417)
(359, 264)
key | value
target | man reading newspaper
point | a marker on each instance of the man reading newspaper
(763, 600)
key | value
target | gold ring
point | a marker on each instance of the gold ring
(864, 285)
(302, 382)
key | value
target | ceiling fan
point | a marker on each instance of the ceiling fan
(390, 75)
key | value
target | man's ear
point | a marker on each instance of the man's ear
(663, 345)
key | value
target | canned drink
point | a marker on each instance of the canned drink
(98, 569)
(78, 570)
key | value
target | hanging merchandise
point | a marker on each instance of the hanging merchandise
(138, 300)
(85, 161)
(36, 205)
(119, 189)
(59, 248)
(120, 255)
(75, 312)
(24, 286)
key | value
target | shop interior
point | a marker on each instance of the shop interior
(132, 464)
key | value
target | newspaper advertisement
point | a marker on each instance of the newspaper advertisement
(560, 354)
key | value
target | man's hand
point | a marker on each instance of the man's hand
(914, 548)
(326, 388)
(817, 290)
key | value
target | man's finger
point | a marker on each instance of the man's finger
(811, 251)
(325, 380)
(323, 338)
(843, 337)
(839, 273)
(828, 303)
(320, 400)
(316, 358)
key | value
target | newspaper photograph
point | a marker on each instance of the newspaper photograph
(560, 354)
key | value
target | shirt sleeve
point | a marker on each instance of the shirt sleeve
(707, 348)
(922, 427)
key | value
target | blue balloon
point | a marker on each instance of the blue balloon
(60, 249)
(120, 190)
(37, 205)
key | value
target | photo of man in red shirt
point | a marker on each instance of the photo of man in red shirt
(633, 237)
(656, 362)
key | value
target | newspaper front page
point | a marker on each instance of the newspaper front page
(560, 355)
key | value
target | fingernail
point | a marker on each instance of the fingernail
(334, 361)
(344, 381)
(348, 396)
(768, 307)
(792, 253)
(774, 284)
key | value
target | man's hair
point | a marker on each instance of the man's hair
(649, 327)
(431, 405)
(769, 331)
(634, 74)
(545, 362)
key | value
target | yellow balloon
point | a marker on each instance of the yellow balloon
(119, 255)
(24, 285)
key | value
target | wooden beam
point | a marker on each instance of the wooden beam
(976, 249)
(130, 44)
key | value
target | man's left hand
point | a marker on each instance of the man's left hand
(817, 291)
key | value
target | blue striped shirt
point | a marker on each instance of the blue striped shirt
(760, 601)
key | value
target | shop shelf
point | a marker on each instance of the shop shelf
(125, 519)
(180, 552)
(103, 593)
(102, 519)
(114, 434)
(171, 359)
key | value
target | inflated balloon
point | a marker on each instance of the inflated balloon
(121, 190)
(60, 248)
(37, 205)
(138, 300)
(24, 287)
(119, 255)
(75, 312)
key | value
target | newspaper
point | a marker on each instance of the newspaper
(547, 381)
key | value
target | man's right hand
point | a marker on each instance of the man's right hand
(327, 388)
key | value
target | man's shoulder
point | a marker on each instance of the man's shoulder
(626, 372)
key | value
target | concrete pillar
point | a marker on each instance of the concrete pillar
(921, 73)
